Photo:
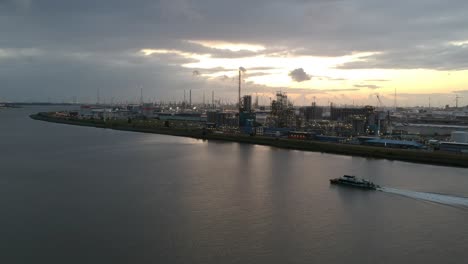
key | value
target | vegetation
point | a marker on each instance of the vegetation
(187, 129)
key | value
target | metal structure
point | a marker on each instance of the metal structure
(241, 70)
(282, 111)
(246, 103)
(456, 100)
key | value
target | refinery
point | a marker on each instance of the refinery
(423, 128)
(433, 129)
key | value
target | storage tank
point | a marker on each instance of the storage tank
(460, 136)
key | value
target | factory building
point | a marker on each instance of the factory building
(429, 129)
(346, 114)
(221, 118)
(311, 113)
(389, 143)
(282, 112)
(459, 136)
(454, 147)
(246, 103)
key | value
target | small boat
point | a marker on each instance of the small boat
(353, 181)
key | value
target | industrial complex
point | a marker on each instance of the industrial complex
(424, 128)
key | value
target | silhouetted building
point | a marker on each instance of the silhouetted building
(247, 103)
(282, 111)
(310, 113)
(221, 118)
(346, 114)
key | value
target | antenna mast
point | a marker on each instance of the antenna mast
(141, 95)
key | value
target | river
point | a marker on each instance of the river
(72, 194)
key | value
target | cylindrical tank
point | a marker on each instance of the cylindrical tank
(460, 136)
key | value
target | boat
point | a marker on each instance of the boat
(353, 181)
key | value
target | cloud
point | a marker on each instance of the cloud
(328, 78)
(18, 5)
(93, 43)
(461, 91)
(258, 73)
(377, 80)
(368, 86)
(299, 75)
(438, 57)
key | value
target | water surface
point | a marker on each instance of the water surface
(74, 194)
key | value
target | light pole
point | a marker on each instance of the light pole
(241, 70)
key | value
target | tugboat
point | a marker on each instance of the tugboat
(353, 181)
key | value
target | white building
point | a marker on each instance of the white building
(459, 136)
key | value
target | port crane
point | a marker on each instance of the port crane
(379, 102)
(456, 100)
(378, 108)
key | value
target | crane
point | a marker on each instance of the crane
(379, 104)
(456, 100)
(378, 108)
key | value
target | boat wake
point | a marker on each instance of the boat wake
(431, 197)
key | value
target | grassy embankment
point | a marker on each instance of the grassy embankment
(184, 130)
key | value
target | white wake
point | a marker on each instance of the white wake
(432, 197)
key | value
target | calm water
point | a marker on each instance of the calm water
(85, 195)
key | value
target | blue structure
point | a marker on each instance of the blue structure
(329, 138)
(247, 119)
(274, 131)
(390, 143)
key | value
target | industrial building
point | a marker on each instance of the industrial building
(459, 136)
(429, 129)
(221, 118)
(311, 113)
(347, 114)
(282, 112)
(246, 103)
(454, 147)
(389, 143)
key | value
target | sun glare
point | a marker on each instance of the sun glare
(324, 72)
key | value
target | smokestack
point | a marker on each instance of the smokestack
(212, 99)
(241, 69)
(239, 90)
(190, 96)
(141, 95)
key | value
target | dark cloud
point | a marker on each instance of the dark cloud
(169, 58)
(299, 75)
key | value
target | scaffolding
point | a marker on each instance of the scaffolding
(282, 112)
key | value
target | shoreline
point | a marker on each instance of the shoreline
(430, 158)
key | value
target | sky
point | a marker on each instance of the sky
(340, 51)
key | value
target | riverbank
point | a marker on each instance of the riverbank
(426, 157)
